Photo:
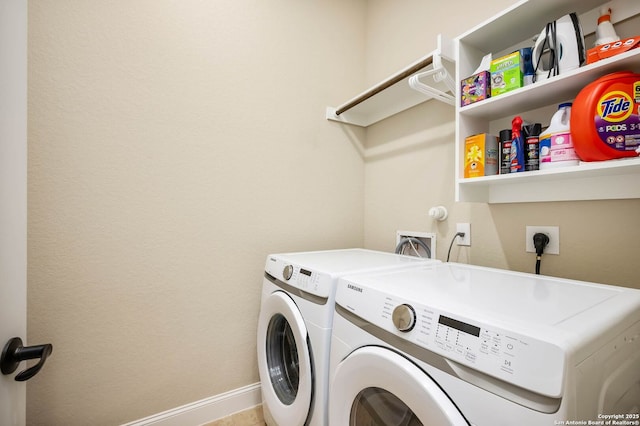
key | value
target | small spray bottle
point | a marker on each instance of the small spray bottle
(517, 146)
(605, 33)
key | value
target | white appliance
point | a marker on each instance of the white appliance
(452, 344)
(559, 48)
(294, 328)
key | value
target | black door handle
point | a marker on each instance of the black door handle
(13, 353)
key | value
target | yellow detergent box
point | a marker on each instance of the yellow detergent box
(480, 155)
(507, 73)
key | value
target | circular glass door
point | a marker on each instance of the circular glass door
(376, 386)
(378, 407)
(284, 360)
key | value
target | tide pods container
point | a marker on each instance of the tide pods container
(605, 119)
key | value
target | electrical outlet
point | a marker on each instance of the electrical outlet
(553, 232)
(466, 228)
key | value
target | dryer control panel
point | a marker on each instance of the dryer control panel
(309, 281)
(522, 360)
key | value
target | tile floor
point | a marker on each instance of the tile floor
(250, 417)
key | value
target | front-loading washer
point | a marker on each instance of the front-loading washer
(294, 327)
(451, 344)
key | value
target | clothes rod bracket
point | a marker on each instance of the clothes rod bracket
(440, 75)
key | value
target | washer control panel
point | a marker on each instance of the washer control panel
(312, 282)
(532, 363)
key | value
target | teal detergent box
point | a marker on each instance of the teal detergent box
(507, 73)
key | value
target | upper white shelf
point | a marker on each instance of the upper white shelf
(602, 180)
(523, 20)
(395, 94)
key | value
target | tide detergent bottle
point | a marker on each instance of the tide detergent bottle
(605, 121)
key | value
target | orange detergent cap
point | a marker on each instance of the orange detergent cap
(604, 18)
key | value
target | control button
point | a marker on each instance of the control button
(287, 272)
(404, 317)
(507, 366)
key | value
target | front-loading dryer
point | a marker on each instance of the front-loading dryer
(294, 327)
(451, 344)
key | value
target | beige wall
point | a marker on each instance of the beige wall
(172, 146)
(599, 240)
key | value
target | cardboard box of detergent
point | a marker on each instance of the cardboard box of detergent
(608, 50)
(507, 73)
(475, 88)
(480, 155)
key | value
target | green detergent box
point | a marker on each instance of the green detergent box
(506, 73)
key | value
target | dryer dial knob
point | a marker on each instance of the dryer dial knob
(287, 272)
(404, 317)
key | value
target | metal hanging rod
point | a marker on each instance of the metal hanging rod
(385, 84)
(401, 90)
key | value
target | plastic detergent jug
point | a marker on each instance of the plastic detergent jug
(605, 123)
(556, 147)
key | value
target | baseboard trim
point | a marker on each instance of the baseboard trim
(206, 410)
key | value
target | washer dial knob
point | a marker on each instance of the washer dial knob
(287, 272)
(404, 317)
